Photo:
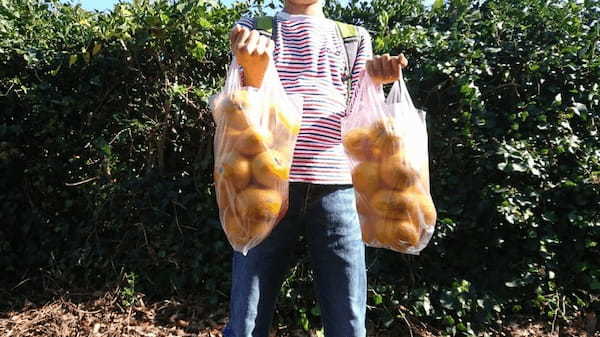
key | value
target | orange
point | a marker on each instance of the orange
(385, 137)
(397, 233)
(234, 169)
(242, 232)
(225, 193)
(253, 141)
(226, 141)
(237, 234)
(233, 109)
(258, 204)
(422, 210)
(365, 177)
(231, 135)
(368, 231)
(396, 173)
(357, 143)
(284, 120)
(391, 204)
(362, 206)
(259, 229)
(269, 168)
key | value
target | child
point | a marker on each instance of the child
(310, 59)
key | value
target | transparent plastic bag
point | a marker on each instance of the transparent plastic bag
(386, 141)
(256, 131)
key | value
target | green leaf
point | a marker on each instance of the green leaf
(199, 51)
(437, 4)
(204, 23)
(448, 320)
(377, 299)
(303, 320)
(72, 60)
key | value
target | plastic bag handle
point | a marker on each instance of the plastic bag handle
(399, 94)
(364, 79)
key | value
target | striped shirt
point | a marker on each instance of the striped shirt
(310, 59)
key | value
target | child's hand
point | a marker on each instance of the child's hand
(386, 69)
(252, 52)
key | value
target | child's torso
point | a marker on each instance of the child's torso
(311, 61)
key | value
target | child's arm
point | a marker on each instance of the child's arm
(386, 69)
(252, 52)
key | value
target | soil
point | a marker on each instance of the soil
(103, 314)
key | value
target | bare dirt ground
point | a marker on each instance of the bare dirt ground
(102, 314)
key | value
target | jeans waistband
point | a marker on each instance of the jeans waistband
(308, 192)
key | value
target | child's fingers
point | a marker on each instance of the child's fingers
(395, 63)
(239, 32)
(242, 39)
(233, 35)
(378, 66)
(250, 47)
(386, 65)
(403, 61)
(270, 46)
(261, 45)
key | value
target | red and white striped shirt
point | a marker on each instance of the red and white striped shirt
(310, 59)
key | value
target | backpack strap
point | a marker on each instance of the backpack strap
(351, 37)
(266, 26)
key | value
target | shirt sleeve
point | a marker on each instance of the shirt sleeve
(364, 53)
(246, 21)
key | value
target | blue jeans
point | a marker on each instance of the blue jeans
(326, 216)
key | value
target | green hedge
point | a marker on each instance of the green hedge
(106, 154)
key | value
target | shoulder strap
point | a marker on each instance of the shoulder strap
(348, 31)
(351, 37)
(264, 25)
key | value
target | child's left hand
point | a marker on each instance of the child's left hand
(385, 68)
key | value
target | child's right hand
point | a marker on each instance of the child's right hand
(253, 52)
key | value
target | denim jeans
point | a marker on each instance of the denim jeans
(326, 216)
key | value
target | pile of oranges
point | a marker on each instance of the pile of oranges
(251, 169)
(393, 198)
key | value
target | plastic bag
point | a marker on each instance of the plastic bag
(256, 131)
(386, 141)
